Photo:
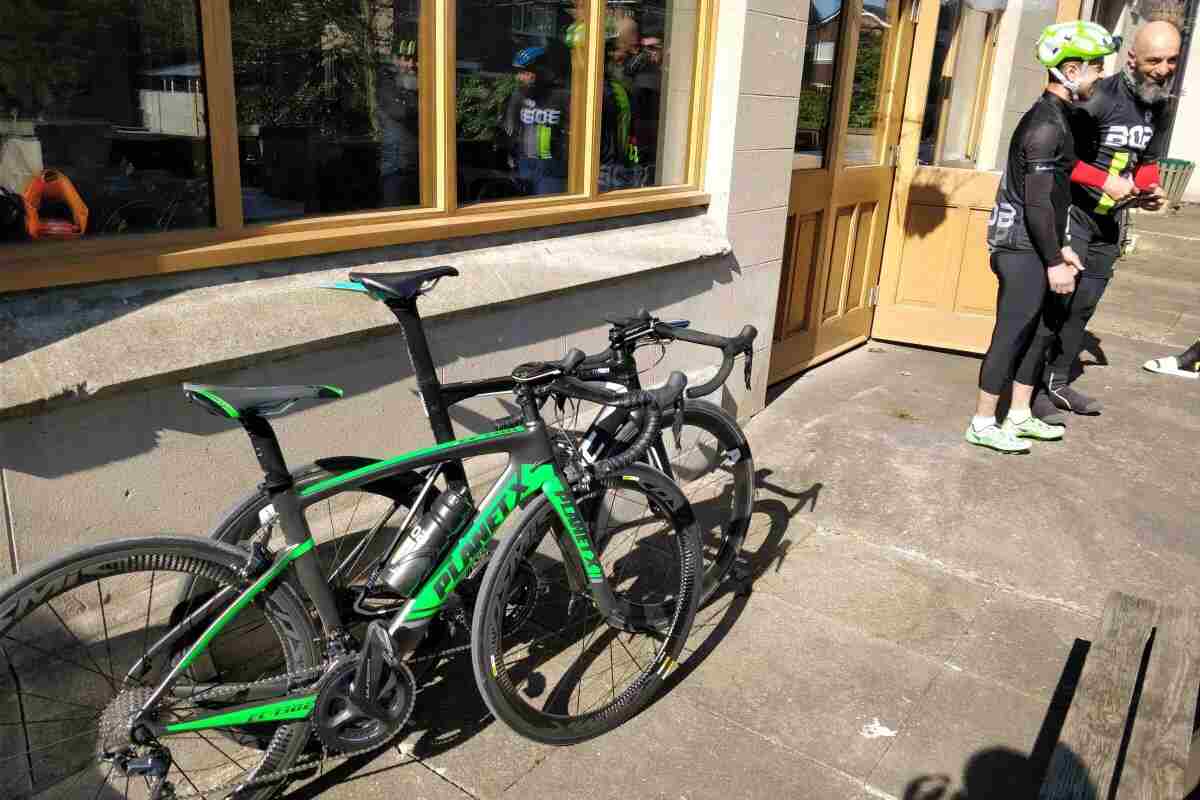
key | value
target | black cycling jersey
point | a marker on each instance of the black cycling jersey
(1114, 131)
(1035, 189)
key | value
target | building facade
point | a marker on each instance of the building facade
(822, 170)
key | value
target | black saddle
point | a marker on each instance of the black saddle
(235, 402)
(403, 285)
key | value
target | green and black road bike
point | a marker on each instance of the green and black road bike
(703, 449)
(117, 681)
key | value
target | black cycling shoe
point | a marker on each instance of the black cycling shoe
(1044, 409)
(1068, 398)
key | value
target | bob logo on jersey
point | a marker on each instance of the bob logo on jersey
(1136, 137)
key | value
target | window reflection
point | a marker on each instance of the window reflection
(103, 122)
(328, 105)
(816, 90)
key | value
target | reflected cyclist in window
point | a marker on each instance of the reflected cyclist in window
(538, 118)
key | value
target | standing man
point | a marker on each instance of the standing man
(1026, 233)
(1118, 139)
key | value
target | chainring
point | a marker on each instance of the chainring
(342, 726)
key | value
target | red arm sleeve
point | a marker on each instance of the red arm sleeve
(1146, 175)
(1087, 175)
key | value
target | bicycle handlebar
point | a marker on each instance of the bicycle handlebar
(653, 401)
(730, 347)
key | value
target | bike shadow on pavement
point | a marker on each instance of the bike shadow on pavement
(765, 550)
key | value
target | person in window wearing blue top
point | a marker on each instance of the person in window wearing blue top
(538, 118)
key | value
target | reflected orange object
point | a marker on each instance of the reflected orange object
(51, 184)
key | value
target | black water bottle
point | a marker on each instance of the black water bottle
(418, 554)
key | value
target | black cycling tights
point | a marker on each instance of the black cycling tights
(1023, 287)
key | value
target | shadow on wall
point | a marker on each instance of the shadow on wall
(100, 431)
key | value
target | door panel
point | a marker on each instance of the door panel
(838, 213)
(942, 291)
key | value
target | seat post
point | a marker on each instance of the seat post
(270, 457)
(428, 385)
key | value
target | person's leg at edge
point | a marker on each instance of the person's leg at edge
(1018, 309)
(1092, 283)
(1184, 365)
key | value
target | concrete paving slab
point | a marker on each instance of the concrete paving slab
(453, 734)
(923, 609)
(971, 734)
(1022, 644)
(387, 775)
(678, 751)
(809, 683)
(882, 432)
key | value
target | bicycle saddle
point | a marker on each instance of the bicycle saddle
(402, 285)
(235, 402)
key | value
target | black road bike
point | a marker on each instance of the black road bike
(704, 449)
(170, 667)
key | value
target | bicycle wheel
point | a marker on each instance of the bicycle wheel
(71, 631)
(565, 674)
(713, 466)
(351, 527)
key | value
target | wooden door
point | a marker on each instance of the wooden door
(936, 286)
(842, 186)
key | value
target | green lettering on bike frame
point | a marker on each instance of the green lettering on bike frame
(522, 485)
(286, 558)
(275, 711)
(353, 474)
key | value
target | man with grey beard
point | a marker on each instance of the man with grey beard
(1118, 143)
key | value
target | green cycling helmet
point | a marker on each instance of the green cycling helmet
(1079, 40)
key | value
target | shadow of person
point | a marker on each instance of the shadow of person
(999, 773)
(1091, 346)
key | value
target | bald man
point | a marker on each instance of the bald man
(1118, 140)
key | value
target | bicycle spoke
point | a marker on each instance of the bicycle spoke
(57, 658)
(86, 652)
(47, 721)
(228, 757)
(97, 709)
(50, 746)
(631, 655)
(187, 778)
(104, 618)
(104, 782)
(149, 602)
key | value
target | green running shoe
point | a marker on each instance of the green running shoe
(996, 438)
(1033, 428)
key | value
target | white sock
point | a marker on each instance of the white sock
(979, 423)
(1019, 415)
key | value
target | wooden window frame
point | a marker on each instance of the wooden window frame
(232, 241)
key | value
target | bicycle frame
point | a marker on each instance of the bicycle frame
(531, 471)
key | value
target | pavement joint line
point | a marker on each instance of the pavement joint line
(438, 772)
(946, 664)
(542, 759)
(10, 535)
(968, 575)
(949, 665)
(1144, 232)
(859, 782)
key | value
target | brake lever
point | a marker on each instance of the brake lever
(749, 365)
(677, 423)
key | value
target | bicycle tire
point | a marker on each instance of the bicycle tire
(62, 590)
(244, 520)
(507, 686)
(724, 516)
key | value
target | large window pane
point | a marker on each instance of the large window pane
(102, 119)
(954, 106)
(649, 63)
(519, 77)
(328, 105)
(865, 129)
(816, 89)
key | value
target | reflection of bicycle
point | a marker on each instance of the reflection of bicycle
(190, 199)
(123, 682)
